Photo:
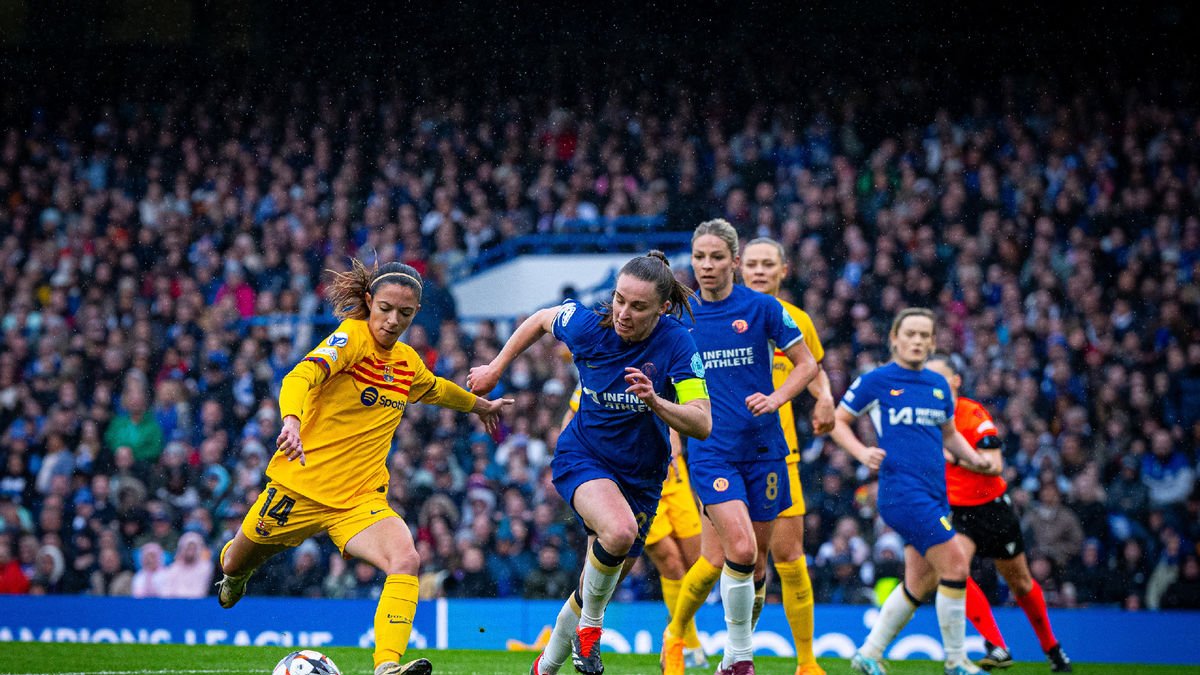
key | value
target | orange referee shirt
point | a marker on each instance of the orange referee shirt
(965, 487)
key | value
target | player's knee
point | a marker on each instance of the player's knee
(619, 537)
(670, 567)
(401, 562)
(742, 552)
(956, 569)
(786, 549)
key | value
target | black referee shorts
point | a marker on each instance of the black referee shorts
(993, 526)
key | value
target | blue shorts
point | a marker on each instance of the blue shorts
(923, 523)
(761, 483)
(572, 469)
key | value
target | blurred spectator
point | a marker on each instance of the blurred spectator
(111, 577)
(548, 581)
(12, 579)
(1055, 529)
(49, 570)
(1128, 498)
(1087, 503)
(150, 581)
(1089, 575)
(1167, 472)
(305, 577)
(473, 579)
(134, 427)
(1127, 583)
(1184, 593)
(190, 574)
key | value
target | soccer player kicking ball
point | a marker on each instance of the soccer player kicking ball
(340, 408)
(988, 526)
(913, 414)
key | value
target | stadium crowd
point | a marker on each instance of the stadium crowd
(163, 267)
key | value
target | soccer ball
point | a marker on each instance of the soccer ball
(306, 662)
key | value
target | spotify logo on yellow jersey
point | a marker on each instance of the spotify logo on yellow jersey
(370, 396)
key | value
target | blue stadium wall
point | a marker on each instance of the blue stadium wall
(1089, 634)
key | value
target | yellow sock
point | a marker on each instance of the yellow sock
(221, 558)
(394, 617)
(693, 590)
(798, 606)
(670, 591)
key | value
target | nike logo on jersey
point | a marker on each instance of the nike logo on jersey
(589, 365)
(897, 392)
(379, 511)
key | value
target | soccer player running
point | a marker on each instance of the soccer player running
(913, 414)
(340, 407)
(740, 471)
(641, 374)
(764, 267)
(673, 542)
(988, 526)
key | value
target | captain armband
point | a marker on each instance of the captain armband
(989, 443)
(691, 389)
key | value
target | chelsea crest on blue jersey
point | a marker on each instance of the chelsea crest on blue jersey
(737, 338)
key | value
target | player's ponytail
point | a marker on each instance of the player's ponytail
(348, 290)
(656, 269)
(669, 288)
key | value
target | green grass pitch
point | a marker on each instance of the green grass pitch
(135, 659)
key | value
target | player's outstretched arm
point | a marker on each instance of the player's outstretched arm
(483, 379)
(489, 411)
(843, 435)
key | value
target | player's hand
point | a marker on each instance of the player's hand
(640, 386)
(822, 417)
(483, 379)
(761, 404)
(489, 412)
(874, 458)
(980, 463)
(288, 441)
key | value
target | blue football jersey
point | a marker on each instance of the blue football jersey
(908, 409)
(613, 426)
(737, 338)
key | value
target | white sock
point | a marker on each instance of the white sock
(599, 582)
(952, 619)
(558, 648)
(896, 612)
(737, 596)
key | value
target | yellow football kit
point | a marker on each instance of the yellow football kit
(349, 394)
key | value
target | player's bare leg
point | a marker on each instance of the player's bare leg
(238, 560)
